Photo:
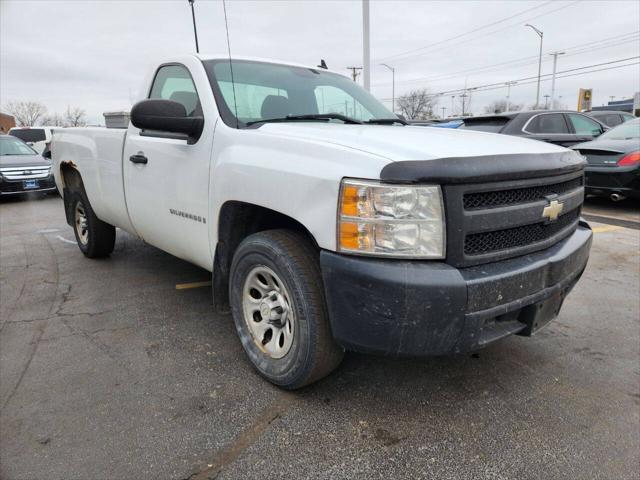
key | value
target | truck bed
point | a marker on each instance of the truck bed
(97, 154)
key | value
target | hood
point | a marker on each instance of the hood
(397, 143)
(23, 161)
(610, 145)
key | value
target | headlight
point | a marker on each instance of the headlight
(391, 220)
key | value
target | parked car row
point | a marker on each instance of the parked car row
(562, 128)
(613, 155)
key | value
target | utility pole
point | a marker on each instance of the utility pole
(393, 86)
(541, 35)
(366, 60)
(452, 98)
(508, 84)
(611, 98)
(195, 31)
(546, 102)
(354, 72)
(464, 97)
(553, 77)
(443, 109)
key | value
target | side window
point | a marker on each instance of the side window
(584, 125)
(548, 123)
(626, 117)
(173, 82)
(610, 119)
(330, 99)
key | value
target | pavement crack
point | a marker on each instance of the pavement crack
(35, 342)
(246, 438)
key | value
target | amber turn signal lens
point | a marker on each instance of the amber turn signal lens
(349, 235)
(349, 205)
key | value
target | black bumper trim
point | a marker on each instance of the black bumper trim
(419, 308)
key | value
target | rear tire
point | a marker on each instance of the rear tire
(279, 309)
(95, 238)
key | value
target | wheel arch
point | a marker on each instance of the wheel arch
(71, 180)
(236, 221)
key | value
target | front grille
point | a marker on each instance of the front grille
(16, 187)
(488, 242)
(515, 196)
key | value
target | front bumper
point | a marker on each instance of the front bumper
(607, 180)
(17, 187)
(420, 308)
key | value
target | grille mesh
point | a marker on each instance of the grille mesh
(478, 200)
(18, 186)
(487, 242)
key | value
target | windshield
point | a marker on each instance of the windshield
(627, 131)
(263, 91)
(12, 146)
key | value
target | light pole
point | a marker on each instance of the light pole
(546, 102)
(553, 77)
(443, 109)
(393, 86)
(366, 60)
(464, 97)
(452, 98)
(541, 35)
(508, 84)
(195, 31)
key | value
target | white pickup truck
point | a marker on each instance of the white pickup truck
(328, 223)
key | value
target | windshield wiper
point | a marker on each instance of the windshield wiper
(311, 116)
(387, 121)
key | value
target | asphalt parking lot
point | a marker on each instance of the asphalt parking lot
(118, 368)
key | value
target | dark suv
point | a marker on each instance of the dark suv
(563, 128)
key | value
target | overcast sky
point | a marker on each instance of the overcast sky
(94, 54)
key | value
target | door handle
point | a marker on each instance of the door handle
(138, 159)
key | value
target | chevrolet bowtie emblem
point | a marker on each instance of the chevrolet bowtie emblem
(553, 210)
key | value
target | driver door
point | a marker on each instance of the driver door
(167, 180)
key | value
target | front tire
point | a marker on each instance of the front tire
(95, 238)
(279, 309)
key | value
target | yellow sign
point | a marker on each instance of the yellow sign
(584, 99)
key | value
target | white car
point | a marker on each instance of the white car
(328, 223)
(36, 137)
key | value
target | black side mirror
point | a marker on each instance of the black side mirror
(166, 116)
(47, 154)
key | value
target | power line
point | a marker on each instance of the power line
(479, 89)
(408, 55)
(523, 81)
(466, 33)
(629, 37)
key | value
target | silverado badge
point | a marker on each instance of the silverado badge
(553, 210)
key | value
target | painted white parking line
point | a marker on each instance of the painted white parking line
(62, 239)
(49, 230)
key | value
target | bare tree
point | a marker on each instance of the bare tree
(55, 120)
(75, 117)
(27, 114)
(417, 104)
(499, 106)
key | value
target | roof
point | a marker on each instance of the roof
(224, 56)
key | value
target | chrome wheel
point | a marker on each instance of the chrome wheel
(267, 312)
(82, 228)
